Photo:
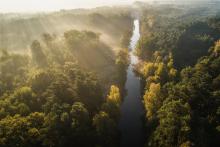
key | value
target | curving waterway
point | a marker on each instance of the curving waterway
(131, 124)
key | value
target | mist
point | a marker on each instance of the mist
(7, 6)
(109, 73)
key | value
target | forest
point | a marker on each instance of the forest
(60, 93)
(179, 67)
(64, 76)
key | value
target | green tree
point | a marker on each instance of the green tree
(22, 131)
(37, 54)
(106, 129)
(173, 128)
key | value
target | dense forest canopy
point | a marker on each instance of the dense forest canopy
(63, 75)
(179, 67)
(60, 79)
(48, 99)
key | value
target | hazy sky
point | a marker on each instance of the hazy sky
(49, 5)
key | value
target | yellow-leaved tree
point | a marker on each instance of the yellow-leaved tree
(114, 95)
(152, 100)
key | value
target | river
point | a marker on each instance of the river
(131, 124)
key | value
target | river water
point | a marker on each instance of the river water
(131, 124)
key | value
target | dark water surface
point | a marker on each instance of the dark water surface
(131, 124)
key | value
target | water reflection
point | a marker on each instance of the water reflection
(131, 126)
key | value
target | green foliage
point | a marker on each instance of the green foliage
(22, 131)
(51, 101)
(80, 116)
(78, 40)
(173, 128)
(106, 128)
(37, 54)
(40, 80)
(122, 59)
(145, 47)
(182, 106)
(186, 33)
(13, 68)
(175, 106)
